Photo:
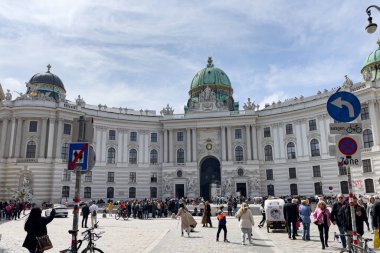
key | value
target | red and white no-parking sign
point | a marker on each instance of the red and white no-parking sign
(348, 150)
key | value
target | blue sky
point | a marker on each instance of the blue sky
(144, 54)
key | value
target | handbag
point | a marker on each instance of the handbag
(43, 243)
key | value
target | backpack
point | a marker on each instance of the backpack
(94, 213)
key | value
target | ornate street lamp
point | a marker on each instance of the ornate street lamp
(371, 27)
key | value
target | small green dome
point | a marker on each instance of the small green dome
(210, 76)
(373, 57)
(370, 70)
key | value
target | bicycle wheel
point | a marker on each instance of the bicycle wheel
(91, 250)
(117, 216)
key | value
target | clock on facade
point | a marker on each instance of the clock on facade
(209, 146)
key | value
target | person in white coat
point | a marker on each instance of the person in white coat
(245, 222)
(93, 210)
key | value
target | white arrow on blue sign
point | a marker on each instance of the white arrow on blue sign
(343, 106)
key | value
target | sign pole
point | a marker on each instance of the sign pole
(78, 175)
(352, 208)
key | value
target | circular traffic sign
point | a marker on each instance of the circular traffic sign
(343, 106)
(347, 146)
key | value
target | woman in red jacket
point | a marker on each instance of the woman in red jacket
(322, 218)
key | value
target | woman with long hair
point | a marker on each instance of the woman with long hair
(245, 222)
(370, 212)
(322, 218)
(187, 220)
(35, 226)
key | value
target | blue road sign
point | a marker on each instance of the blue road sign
(78, 156)
(343, 106)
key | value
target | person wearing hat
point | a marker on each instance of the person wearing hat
(222, 224)
(245, 222)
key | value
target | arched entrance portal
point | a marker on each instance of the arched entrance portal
(209, 174)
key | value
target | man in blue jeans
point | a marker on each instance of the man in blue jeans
(337, 219)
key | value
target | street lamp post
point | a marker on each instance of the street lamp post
(371, 27)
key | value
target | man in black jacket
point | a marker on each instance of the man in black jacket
(336, 217)
(85, 213)
(291, 216)
(376, 215)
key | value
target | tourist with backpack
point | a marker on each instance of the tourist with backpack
(222, 224)
(94, 210)
(337, 217)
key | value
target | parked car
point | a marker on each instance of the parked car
(61, 210)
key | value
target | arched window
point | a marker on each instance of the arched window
(110, 191)
(65, 151)
(318, 188)
(291, 150)
(293, 189)
(367, 138)
(111, 156)
(65, 191)
(369, 187)
(268, 153)
(133, 156)
(238, 153)
(31, 149)
(314, 147)
(153, 156)
(87, 192)
(180, 156)
(344, 187)
(132, 192)
(153, 192)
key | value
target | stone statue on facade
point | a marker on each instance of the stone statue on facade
(367, 75)
(80, 101)
(8, 95)
(167, 185)
(190, 184)
(167, 110)
(207, 95)
(249, 105)
(347, 82)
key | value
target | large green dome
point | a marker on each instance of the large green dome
(370, 70)
(210, 76)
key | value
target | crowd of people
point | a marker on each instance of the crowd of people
(12, 209)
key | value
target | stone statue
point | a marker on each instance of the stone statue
(347, 82)
(367, 75)
(190, 184)
(167, 110)
(80, 101)
(167, 186)
(8, 95)
(249, 105)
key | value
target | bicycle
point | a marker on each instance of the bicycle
(357, 129)
(356, 248)
(90, 237)
(124, 214)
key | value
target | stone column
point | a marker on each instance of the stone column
(188, 145)
(125, 145)
(299, 137)
(305, 144)
(19, 134)
(11, 143)
(229, 148)
(276, 138)
(166, 148)
(161, 153)
(281, 140)
(255, 144)
(3, 139)
(43, 133)
(51, 138)
(324, 137)
(98, 137)
(374, 117)
(171, 146)
(58, 145)
(104, 145)
(120, 147)
(223, 136)
(248, 140)
(194, 143)
(146, 147)
(141, 146)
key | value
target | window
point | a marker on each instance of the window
(316, 171)
(153, 137)
(291, 150)
(87, 192)
(367, 166)
(269, 174)
(314, 146)
(153, 156)
(364, 114)
(270, 190)
(238, 133)
(180, 156)
(367, 138)
(268, 153)
(88, 176)
(179, 136)
(132, 177)
(344, 187)
(312, 125)
(111, 156)
(31, 149)
(238, 153)
(342, 171)
(65, 191)
(289, 129)
(132, 192)
(132, 156)
(67, 129)
(293, 189)
(111, 135)
(133, 136)
(153, 192)
(111, 177)
(369, 187)
(66, 175)
(266, 131)
(65, 151)
(110, 191)
(33, 126)
(153, 178)
(318, 188)
(292, 173)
